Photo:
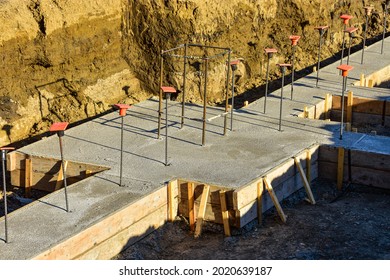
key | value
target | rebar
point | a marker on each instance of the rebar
(232, 110)
(342, 107)
(292, 72)
(204, 102)
(321, 30)
(364, 38)
(184, 85)
(160, 96)
(167, 97)
(60, 134)
(227, 94)
(121, 163)
(343, 45)
(3, 156)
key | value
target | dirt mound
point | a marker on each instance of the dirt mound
(66, 60)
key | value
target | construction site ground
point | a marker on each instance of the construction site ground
(253, 147)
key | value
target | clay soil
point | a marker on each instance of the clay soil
(352, 224)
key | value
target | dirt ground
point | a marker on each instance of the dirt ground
(352, 224)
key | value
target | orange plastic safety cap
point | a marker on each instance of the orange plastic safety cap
(60, 126)
(122, 109)
(346, 18)
(284, 64)
(345, 68)
(7, 148)
(269, 50)
(168, 89)
(234, 62)
(351, 30)
(294, 39)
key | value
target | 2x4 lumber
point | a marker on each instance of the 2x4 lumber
(225, 213)
(349, 108)
(328, 105)
(260, 191)
(305, 181)
(191, 204)
(28, 183)
(202, 210)
(340, 167)
(83, 241)
(172, 193)
(275, 200)
(60, 176)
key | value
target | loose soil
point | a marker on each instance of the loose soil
(352, 224)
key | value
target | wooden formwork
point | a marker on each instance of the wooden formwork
(355, 166)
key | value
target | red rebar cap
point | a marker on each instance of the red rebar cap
(168, 89)
(234, 62)
(368, 9)
(60, 126)
(284, 64)
(350, 30)
(346, 18)
(345, 68)
(322, 27)
(7, 148)
(294, 39)
(270, 50)
(122, 108)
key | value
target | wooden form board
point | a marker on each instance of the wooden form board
(361, 105)
(82, 242)
(45, 171)
(202, 210)
(319, 110)
(371, 169)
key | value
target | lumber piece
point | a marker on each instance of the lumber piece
(171, 200)
(225, 213)
(202, 210)
(60, 176)
(275, 199)
(191, 212)
(305, 181)
(340, 167)
(260, 191)
(28, 183)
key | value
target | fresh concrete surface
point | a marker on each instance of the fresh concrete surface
(253, 147)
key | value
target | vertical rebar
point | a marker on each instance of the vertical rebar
(160, 96)
(3, 156)
(184, 85)
(349, 47)
(343, 45)
(321, 31)
(232, 110)
(292, 73)
(342, 108)
(227, 94)
(167, 97)
(266, 84)
(384, 24)
(281, 99)
(121, 163)
(204, 101)
(364, 38)
(60, 134)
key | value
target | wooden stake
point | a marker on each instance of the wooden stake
(60, 176)
(362, 80)
(349, 108)
(340, 168)
(370, 83)
(191, 201)
(260, 191)
(326, 106)
(308, 165)
(202, 210)
(28, 177)
(305, 112)
(171, 201)
(305, 182)
(246, 103)
(225, 213)
(275, 200)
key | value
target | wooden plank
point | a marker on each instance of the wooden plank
(260, 191)
(202, 210)
(85, 240)
(340, 167)
(362, 80)
(275, 200)
(326, 106)
(305, 181)
(368, 105)
(28, 177)
(308, 165)
(225, 213)
(112, 246)
(60, 177)
(305, 112)
(171, 201)
(11, 161)
(191, 212)
(349, 107)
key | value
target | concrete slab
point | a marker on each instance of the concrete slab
(254, 147)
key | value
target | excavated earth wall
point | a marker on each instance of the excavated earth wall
(67, 60)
